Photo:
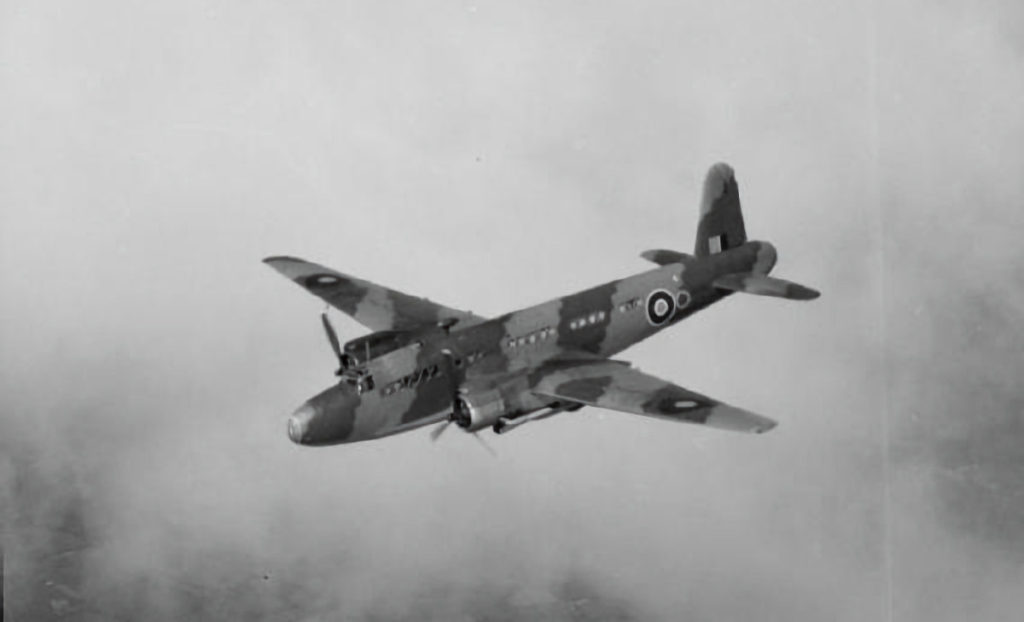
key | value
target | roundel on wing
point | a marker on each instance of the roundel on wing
(321, 280)
(660, 307)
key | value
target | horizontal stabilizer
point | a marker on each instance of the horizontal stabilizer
(761, 285)
(663, 257)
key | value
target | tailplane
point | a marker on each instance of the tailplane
(721, 221)
(764, 285)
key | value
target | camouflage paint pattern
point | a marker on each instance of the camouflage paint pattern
(375, 307)
(550, 355)
(720, 213)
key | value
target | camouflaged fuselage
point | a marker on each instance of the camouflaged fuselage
(411, 387)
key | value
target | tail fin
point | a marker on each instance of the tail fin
(721, 221)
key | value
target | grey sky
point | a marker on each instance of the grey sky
(489, 156)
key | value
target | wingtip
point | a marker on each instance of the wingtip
(279, 259)
(293, 267)
(728, 417)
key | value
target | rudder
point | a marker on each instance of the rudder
(721, 220)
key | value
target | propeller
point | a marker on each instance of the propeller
(439, 430)
(333, 338)
(449, 371)
(484, 444)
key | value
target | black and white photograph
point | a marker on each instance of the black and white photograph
(512, 311)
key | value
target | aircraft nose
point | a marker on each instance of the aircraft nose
(298, 423)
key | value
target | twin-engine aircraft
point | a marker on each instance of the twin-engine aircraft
(426, 363)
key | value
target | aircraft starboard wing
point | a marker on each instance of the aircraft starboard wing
(617, 386)
(373, 306)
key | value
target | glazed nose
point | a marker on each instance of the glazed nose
(298, 423)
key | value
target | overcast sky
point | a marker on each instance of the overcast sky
(490, 156)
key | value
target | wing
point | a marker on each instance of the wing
(617, 386)
(373, 306)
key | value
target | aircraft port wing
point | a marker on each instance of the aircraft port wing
(375, 307)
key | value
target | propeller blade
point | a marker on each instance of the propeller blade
(484, 443)
(439, 430)
(332, 337)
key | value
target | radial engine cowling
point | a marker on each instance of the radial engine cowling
(480, 409)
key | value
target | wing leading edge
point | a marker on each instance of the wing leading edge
(616, 386)
(374, 306)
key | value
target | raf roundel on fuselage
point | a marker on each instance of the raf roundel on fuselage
(660, 307)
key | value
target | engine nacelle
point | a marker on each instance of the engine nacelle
(481, 409)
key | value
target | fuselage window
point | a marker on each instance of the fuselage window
(409, 380)
(593, 318)
(534, 337)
